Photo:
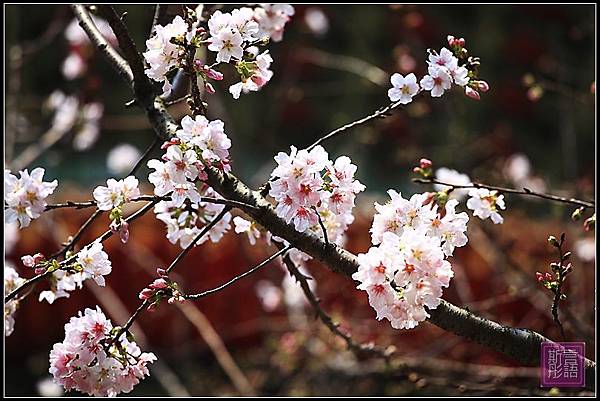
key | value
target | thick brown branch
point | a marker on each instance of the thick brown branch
(115, 59)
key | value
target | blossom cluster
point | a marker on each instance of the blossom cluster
(234, 37)
(451, 184)
(446, 67)
(161, 288)
(406, 269)
(116, 193)
(309, 188)
(24, 197)
(197, 144)
(12, 281)
(91, 263)
(185, 221)
(91, 361)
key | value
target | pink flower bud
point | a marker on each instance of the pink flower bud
(38, 257)
(124, 232)
(472, 93)
(417, 170)
(213, 74)
(39, 270)
(548, 276)
(161, 272)
(28, 261)
(460, 42)
(425, 163)
(159, 284)
(451, 40)
(539, 276)
(482, 86)
(146, 293)
(209, 88)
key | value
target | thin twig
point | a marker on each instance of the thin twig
(68, 261)
(202, 232)
(358, 348)
(153, 145)
(524, 191)
(241, 276)
(147, 198)
(381, 112)
(71, 243)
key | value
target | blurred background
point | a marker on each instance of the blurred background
(535, 128)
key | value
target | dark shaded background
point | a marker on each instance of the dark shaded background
(312, 92)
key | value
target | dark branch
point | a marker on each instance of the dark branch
(358, 348)
(241, 276)
(524, 191)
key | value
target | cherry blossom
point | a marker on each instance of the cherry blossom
(116, 193)
(163, 55)
(437, 81)
(272, 19)
(184, 221)
(24, 197)
(403, 88)
(305, 193)
(245, 226)
(92, 361)
(453, 177)
(406, 269)
(486, 203)
(228, 45)
(12, 281)
(91, 263)
(259, 74)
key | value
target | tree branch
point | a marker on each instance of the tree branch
(524, 191)
(115, 59)
(241, 276)
(357, 348)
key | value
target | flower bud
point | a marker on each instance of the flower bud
(548, 277)
(28, 261)
(124, 232)
(209, 88)
(161, 272)
(472, 93)
(146, 293)
(482, 86)
(38, 257)
(460, 42)
(590, 223)
(539, 276)
(425, 163)
(450, 40)
(577, 214)
(39, 270)
(159, 284)
(553, 241)
(213, 74)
